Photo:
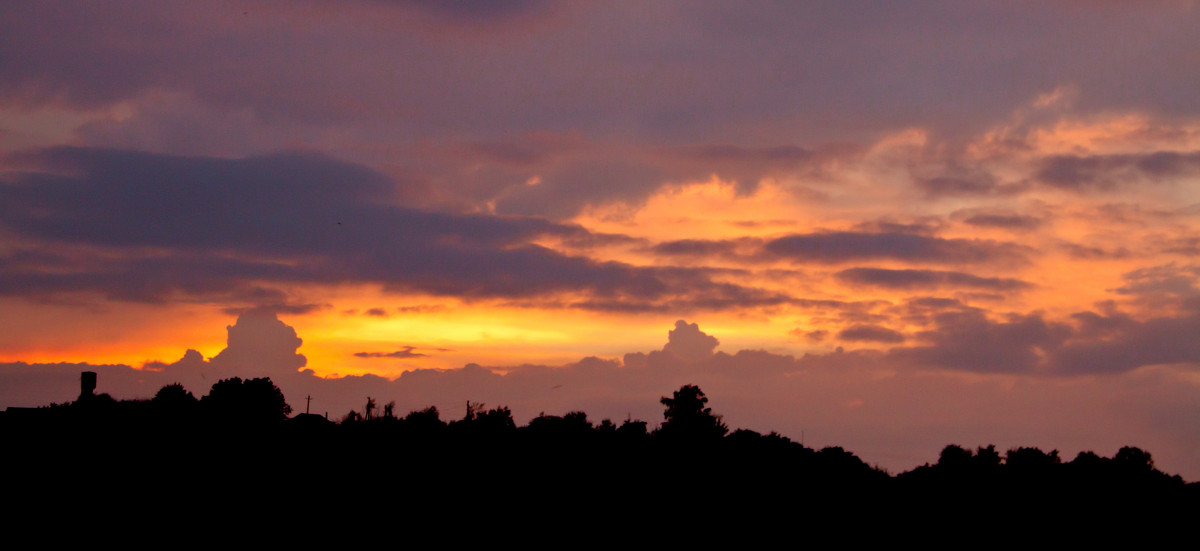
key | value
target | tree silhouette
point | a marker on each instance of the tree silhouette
(686, 416)
(250, 401)
(174, 396)
(174, 402)
(1134, 459)
(954, 457)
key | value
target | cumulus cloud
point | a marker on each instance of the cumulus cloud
(259, 345)
(687, 341)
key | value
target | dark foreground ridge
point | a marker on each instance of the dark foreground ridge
(238, 447)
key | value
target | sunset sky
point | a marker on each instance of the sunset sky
(888, 226)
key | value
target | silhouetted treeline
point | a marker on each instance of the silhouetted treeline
(239, 441)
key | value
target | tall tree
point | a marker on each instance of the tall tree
(687, 417)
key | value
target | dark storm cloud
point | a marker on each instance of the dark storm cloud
(1108, 171)
(847, 246)
(137, 226)
(927, 279)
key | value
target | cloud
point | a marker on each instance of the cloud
(742, 250)
(832, 247)
(970, 341)
(960, 185)
(694, 247)
(815, 335)
(1084, 252)
(1108, 171)
(475, 11)
(1168, 279)
(831, 72)
(746, 166)
(870, 333)
(934, 303)
(405, 353)
(1129, 344)
(687, 341)
(1019, 222)
(144, 227)
(568, 188)
(260, 345)
(1186, 246)
(927, 279)
(922, 226)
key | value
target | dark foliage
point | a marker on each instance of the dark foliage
(687, 418)
(690, 471)
(249, 402)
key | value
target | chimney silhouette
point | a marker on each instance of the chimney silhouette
(87, 384)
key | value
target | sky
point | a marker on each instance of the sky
(879, 225)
